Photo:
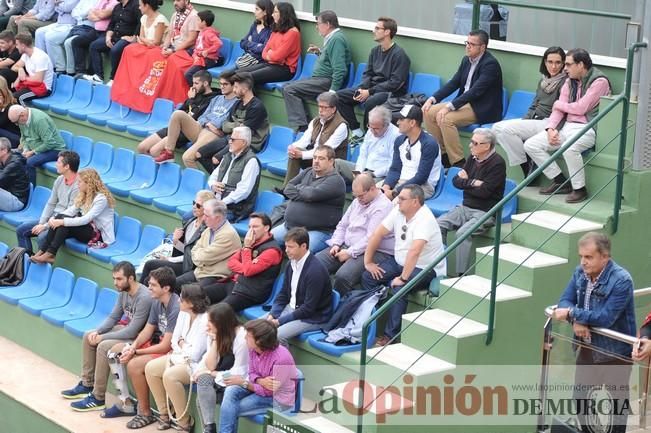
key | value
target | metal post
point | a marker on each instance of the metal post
(496, 264)
(316, 7)
(476, 9)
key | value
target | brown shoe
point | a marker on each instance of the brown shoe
(552, 189)
(47, 258)
(35, 258)
(577, 196)
(383, 340)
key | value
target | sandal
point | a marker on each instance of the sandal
(163, 424)
(140, 421)
(187, 428)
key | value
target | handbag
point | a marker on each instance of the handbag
(164, 250)
(245, 60)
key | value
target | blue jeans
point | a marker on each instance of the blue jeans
(24, 235)
(13, 138)
(97, 47)
(240, 402)
(9, 202)
(317, 239)
(37, 160)
(392, 270)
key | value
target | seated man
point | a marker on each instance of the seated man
(305, 301)
(348, 243)
(200, 96)
(482, 180)
(255, 268)
(155, 340)
(330, 70)
(40, 140)
(9, 55)
(416, 156)
(417, 244)
(64, 192)
(479, 98)
(316, 200)
(386, 76)
(235, 181)
(211, 252)
(128, 317)
(329, 129)
(34, 69)
(577, 104)
(248, 110)
(14, 183)
(50, 38)
(41, 14)
(376, 150)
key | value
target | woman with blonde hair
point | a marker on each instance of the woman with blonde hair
(89, 219)
(8, 129)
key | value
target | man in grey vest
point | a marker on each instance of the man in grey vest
(235, 180)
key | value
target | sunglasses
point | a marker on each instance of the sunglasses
(197, 205)
(408, 152)
(403, 236)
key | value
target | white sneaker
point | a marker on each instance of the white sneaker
(92, 78)
(110, 83)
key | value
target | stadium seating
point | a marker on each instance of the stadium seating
(3, 249)
(67, 138)
(38, 199)
(159, 118)
(127, 237)
(81, 97)
(336, 297)
(106, 299)
(449, 197)
(426, 84)
(357, 78)
(317, 340)
(280, 84)
(144, 175)
(231, 52)
(133, 118)
(151, 237)
(34, 284)
(100, 103)
(260, 310)
(192, 180)
(122, 167)
(62, 93)
(102, 158)
(279, 138)
(519, 104)
(84, 147)
(81, 304)
(57, 294)
(115, 112)
(166, 184)
(265, 202)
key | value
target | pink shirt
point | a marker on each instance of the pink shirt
(101, 5)
(576, 110)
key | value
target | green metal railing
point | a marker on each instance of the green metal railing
(496, 212)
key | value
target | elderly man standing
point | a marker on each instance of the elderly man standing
(417, 244)
(600, 294)
(211, 252)
(14, 185)
(376, 150)
(235, 181)
(40, 140)
(482, 180)
(345, 256)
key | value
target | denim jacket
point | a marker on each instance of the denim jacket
(611, 306)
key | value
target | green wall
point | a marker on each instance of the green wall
(14, 418)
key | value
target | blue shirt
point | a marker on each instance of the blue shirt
(217, 111)
(376, 153)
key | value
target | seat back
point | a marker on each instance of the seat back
(226, 50)
(60, 287)
(39, 198)
(298, 396)
(67, 137)
(162, 110)
(128, 232)
(278, 285)
(519, 104)
(124, 160)
(426, 84)
(505, 101)
(38, 274)
(84, 147)
(101, 98)
(83, 297)
(192, 180)
(351, 76)
(3, 249)
(102, 158)
(308, 66)
(151, 237)
(449, 190)
(280, 137)
(167, 179)
(358, 75)
(83, 92)
(106, 299)
(267, 200)
(511, 206)
(64, 87)
(439, 185)
(144, 172)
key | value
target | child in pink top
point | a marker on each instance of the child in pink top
(206, 48)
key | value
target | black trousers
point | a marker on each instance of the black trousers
(346, 105)
(217, 147)
(57, 237)
(263, 73)
(150, 265)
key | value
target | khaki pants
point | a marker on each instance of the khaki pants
(183, 122)
(94, 365)
(27, 25)
(447, 133)
(164, 379)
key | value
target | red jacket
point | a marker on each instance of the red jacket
(285, 49)
(208, 39)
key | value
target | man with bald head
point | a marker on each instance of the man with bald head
(40, 141)
(345, 256)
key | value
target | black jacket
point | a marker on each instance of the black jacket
(13, 177)
(12, 266)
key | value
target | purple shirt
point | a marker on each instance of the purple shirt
(358, 224)
(278, 363)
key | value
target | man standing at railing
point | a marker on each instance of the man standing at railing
(577, 105)
(600, 294)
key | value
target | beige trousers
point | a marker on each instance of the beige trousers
(447, 133)
(163, 379)
(94, 364)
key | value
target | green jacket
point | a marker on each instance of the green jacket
(40, 134)
(334, 61)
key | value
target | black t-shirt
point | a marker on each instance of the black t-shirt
(13, 55)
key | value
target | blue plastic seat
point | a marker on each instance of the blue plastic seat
(279, 138)
(184, 209)
(3, 249)
(106, 299)
(191, 181)
(81, 97)
(82, 304)
(261, 310)
(127, 238)
(234, 52)
(505, 107)
(84, 147)
(278, 167)
(280, 84)
(116, 111)
(151, 237)
(438, 189)
(34, 284)
(336, 297)
(352, 152)
(62, 93)
(133, 118)
(317, 340)
(298, 398)
(160, 117)
(122, 167)
(450, 197)
(265, 202)
(519, 104)
(144, 175)
(100, 103)
(511, 206)
(82, 247)
(426, 84)
(359, 72)
(166, 184)
(102, 158)
(67, 137)
(38, 199)
(57, 294)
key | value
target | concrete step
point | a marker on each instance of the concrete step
(521, 266)
(322, 424)
(446, 331)
(531, 229)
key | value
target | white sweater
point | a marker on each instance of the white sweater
(194, 337)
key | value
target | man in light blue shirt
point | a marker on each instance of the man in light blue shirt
(376, 151)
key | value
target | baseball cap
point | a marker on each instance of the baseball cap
(411, 111)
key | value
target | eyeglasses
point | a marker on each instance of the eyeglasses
(403, 236)
(197, 205)
(376, 28)
(472, 44)
(477, 143)
(568, 64)
(235, 139)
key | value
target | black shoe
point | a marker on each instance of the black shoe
(445, 160)
(577, 196)
(556, 188)
(279, 190)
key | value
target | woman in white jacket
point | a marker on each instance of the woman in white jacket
(168, 375)
(89, 219)
(227, 358)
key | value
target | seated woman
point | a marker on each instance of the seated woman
(280, 55)
(511, 134)
(168, 375)
(270, 382)
(255, 40)
(183, 241)
(8, 129)
(89, 220)
(225, 361)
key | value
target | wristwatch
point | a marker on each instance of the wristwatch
(402, 279)
(245, 384)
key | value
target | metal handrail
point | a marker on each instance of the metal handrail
(496, 211)
(549, 312)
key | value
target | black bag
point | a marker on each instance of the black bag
(395, 104)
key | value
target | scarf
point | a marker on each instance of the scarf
(179, 19)
(549, 85)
